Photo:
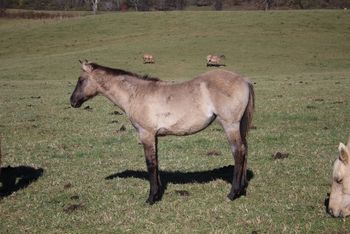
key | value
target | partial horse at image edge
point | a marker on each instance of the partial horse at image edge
(339, 201)
(159, 108)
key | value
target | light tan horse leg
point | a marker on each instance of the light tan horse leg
(149, 142)
(239, 151)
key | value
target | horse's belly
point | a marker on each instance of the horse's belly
(187, 124)
(185, 112)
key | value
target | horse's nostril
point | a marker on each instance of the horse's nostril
(330, 211)
(72, 103)
(75, 104)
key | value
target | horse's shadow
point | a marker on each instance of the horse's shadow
(16, 178)
(177, 177)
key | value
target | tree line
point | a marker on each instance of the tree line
(166, 5)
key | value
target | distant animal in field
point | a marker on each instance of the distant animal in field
(159, 108)
(339, 201)
(148, 58)
(215, 60)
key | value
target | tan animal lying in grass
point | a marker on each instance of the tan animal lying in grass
(215, 60)
(339, 201)
(148, 58)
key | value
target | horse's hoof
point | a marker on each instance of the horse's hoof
(150, 201)
(234, 195)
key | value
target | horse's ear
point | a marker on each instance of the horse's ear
(86, 66)
(343, 153)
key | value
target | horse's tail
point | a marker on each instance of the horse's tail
(247, 117)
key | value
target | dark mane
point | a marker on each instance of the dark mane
(118, 72)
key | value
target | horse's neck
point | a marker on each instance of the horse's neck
(118, 90)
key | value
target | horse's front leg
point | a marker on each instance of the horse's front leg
(149, 142)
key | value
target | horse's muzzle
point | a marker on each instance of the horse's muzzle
(75, 105)
(74, 102)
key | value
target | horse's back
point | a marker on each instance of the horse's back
(219, 75)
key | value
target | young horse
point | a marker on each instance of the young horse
(339, 201)
(158, 108)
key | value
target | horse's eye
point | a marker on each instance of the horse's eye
(339, 181)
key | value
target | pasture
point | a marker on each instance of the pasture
(82, 170)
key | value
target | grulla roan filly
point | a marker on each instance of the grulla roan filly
(159, 108)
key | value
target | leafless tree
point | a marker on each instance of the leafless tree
(68, 4)
(218, 5)
(141, 5)
(268, 4)
(161, 5)
(136, 4)
(117, 2)
(94, 5)
(180, 4)
(299, 3)
(2, 5)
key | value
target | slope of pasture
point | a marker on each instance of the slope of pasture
(74, 170)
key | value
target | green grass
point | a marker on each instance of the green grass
(299, 60)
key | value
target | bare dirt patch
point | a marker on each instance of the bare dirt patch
(214, 153)
(73, 207)
(279, 155)
(184, 193)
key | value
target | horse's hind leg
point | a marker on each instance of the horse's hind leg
(239, 152)
(149, 142)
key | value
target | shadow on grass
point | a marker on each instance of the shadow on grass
(178, 177)
(326, 203)
(16, 178)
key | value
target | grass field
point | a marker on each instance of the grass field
(74, 171)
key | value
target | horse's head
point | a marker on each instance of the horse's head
(339, 201)
(209, 57)
(86, 86)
